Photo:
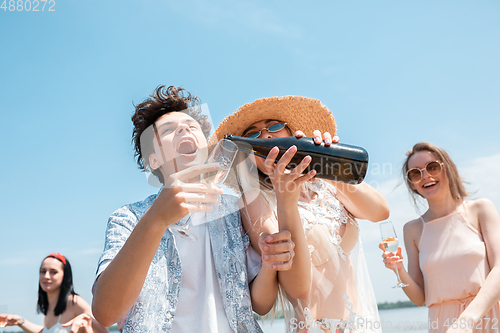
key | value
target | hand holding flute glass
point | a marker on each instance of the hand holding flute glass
(223, 154)
(391, 243)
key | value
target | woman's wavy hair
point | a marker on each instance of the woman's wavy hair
(66, 290)
(455, 181)
(163, 101)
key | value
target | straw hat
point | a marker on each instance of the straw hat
(300, 113)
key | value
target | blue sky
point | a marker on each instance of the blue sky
(393, 72)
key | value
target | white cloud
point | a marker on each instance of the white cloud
(243, 14)
(483, 176)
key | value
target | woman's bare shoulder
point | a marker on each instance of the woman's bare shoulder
(77, 305)
(412, 231)
(413, 226)
(479, 204)
(483, 210)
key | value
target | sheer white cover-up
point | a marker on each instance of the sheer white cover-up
(341, 294)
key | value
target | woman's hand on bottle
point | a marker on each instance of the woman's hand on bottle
(318, 137)
(80, 324)
(11, 319)
(392, 260)
(277, 250)
(287, 183)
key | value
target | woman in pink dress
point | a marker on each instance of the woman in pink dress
(453, 248)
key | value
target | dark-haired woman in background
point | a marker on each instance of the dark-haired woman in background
(64, 310)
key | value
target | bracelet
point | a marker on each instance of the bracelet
(22, 323)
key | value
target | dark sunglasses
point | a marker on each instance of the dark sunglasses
(433, 168)
(271, 129)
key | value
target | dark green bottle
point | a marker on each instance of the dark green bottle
(337, 162)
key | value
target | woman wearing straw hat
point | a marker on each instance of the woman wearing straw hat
(327, 289)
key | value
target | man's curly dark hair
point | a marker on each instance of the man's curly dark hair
(163, 101)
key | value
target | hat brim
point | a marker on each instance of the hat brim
(300, 113)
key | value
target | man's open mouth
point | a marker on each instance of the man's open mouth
(186, 146)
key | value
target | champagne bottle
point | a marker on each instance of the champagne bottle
(337, 162)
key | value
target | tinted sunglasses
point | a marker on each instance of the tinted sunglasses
(271, 129)
(415, 175)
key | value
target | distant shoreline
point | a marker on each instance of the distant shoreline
(396, 305)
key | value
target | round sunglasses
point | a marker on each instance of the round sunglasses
(433, 168)
(271, 129)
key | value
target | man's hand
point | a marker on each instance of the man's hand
(277, 250)
(183, 194)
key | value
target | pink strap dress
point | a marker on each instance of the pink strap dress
(454, 264)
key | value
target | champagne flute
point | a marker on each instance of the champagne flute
(391, 243)
(223, 154)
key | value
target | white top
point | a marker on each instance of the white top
(200, 293)
(57, 328)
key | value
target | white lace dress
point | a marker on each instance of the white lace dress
(341, 297)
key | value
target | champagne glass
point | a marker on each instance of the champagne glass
(391, 243)
(223, 154)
